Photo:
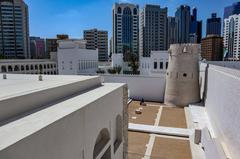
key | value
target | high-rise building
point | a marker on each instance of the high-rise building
(37, 48)
(199, 31)
(111, 47)
(125, 29)
(97, 39)
(14, 29)
(153, 29)
(231, 35)
(231, 10)
(172, 31)
(214, 25)
(52, 45)
(183, 19)
(212, 48)
(195, 34)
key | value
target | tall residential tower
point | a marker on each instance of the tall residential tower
(231, 35)
(153, 29)
(14, 29)
(125, 29)
(97, 39)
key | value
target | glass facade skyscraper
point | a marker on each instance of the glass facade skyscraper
(189, 29)
(214, 25)
(125, 29)
(14, 29)
(183, 19)
(231, 10)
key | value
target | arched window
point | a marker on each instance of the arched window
(119, 10)
(118, 133)
(10, 69)
(101, 142)
(27, 67)
(16, 68)
(36, 67)
(22, 68)
(3, 69)
(135, 11)
(185, 75)
(127, 11)
(40, 67)
(32, 68)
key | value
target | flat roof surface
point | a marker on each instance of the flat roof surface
(137, 144)
(17, 130)
(149, 144)
(157, 114)
(148, 116)
(16, 85)
(162, 147)
(173, 117)
(171, 148)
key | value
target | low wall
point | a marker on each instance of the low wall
(222, 105)
(229, 64)
(147, 87)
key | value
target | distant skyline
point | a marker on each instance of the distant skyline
(50, 17)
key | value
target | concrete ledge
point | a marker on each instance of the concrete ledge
(24, 93)
(41, 121)
(161, 130)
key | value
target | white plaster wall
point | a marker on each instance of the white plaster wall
(75, 61)
(14, 107)
(74, 136)
(145, 66)
(222, 105)
(202, 76)
(147, 87)
(147, 63)
(48, 66)
(117, 60)
(229, 64)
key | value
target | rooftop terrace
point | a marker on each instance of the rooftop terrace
(164, 143)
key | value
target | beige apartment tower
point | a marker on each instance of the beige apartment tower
(182, 85)
(97, 39)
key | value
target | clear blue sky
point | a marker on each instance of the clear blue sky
(51, 17)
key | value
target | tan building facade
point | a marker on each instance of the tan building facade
(212, 48)
(97, 39)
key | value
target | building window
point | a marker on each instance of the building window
(119, 10)
(161, 65)
(135, 11)
(185, 75)
(101, 142)
(155, 65)
(166, 65)
(118, 138)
